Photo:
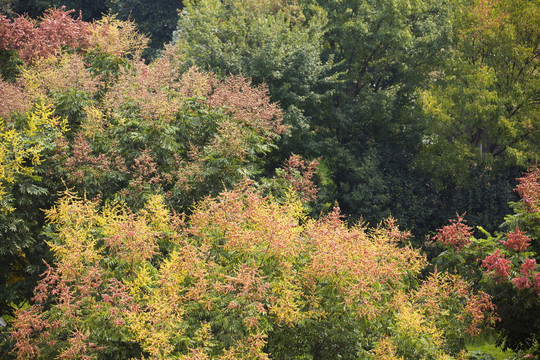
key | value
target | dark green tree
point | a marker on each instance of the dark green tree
(156, 19)
(368, 132)
(90, 9)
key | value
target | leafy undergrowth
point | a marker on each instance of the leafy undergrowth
(484, 348)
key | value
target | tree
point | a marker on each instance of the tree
(368, 133)
(156, 19)
(277, 43)
(504, 265)
(242, 277)
(23, 150)
(345, 75)
(134, 130)
(481, 107)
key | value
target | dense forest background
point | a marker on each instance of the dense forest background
(230, 175)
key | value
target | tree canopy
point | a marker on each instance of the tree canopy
(236, 193)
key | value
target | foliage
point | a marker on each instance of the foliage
(367, 132)
(24, 148)
(355, 99)
(116, 37)
(299, 173)
(15, 99)
(134, 130)
(273, 42)
(156, 19)
(188, 135)
(505, 266)
(247, 273)
(312, 56)
(34, 40)
(57, 30)
(481, 106)
(55, 82)
(457, 234)
(22, 145)
(230, 282)
(118, 107)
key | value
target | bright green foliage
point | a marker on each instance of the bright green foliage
(482, 105)
(25, 145)
(382, 44)
(244, 277)
(21, 147)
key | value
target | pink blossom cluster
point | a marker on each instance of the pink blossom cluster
(497, 264)
(457, 234)
(300, 174)
(523, 282)
(82, 163)
(516, 240)
(32, 40)
(529, 190)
